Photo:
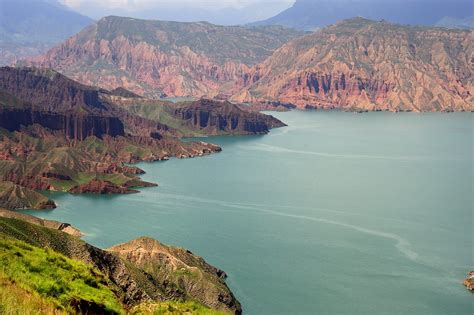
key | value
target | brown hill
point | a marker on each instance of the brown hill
(366, 65)
(155, 58)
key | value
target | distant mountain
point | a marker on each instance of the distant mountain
(449, 22)
(313, 14)
(156, 58)
(29, 27)
(360, 64)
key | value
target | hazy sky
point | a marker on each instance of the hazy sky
(216, 11)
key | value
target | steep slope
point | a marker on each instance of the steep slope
(54, 225)
(360, 64)
(314, 14)
(151, 279)
(178, 267)
(155, 58)
(30, 27)
(203, 117)
(67, 285)
(16, 197)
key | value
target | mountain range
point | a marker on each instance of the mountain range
(30, 27)
(353, 64)
(314, 14)
(157, 58)
(360, 64)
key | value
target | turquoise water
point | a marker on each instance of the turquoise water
(338, 213)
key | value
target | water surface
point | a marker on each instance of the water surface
(337, 213)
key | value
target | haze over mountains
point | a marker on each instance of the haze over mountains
(30, 27)
(351, 65)
(313, 14)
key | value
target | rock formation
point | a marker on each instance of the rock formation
(360, 64)
(16, 197)
(101, 187)
(223, 117)
(469, 282)
(155, 58)
(150, 274)
(204, 117)
(179, 272)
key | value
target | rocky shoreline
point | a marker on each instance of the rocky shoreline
(59, 135)
(469, 282)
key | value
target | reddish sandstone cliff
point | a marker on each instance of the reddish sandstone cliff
(365, 65)
(154, 58)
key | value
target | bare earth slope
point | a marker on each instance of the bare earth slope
(155, 58)
(366, 65)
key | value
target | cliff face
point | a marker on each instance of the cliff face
(154, 58)
(361, 64)
(203, 117)
(59, 103)
(223, 117)
(76, 127)
(50, 90)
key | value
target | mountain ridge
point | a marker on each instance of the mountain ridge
(162, 58)
(315, 14)
(359, 64)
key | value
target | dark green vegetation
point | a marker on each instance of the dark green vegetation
(30, 27)
(87, 276)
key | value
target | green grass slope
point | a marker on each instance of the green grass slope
(54, 279)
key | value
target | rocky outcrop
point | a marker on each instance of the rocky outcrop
(469, 282)
(14, 197)
(157, 58)
(180, 273)
(365, 65)
(149, 274)
(87, 110)
(204, 117)
(217, 117)
(75, 126)
(50, 91)
(101, 187)
(55, 225)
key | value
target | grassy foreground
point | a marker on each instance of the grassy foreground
(173, 308)
(49, 281)
(35, 279)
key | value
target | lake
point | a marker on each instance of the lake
(336, 213)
